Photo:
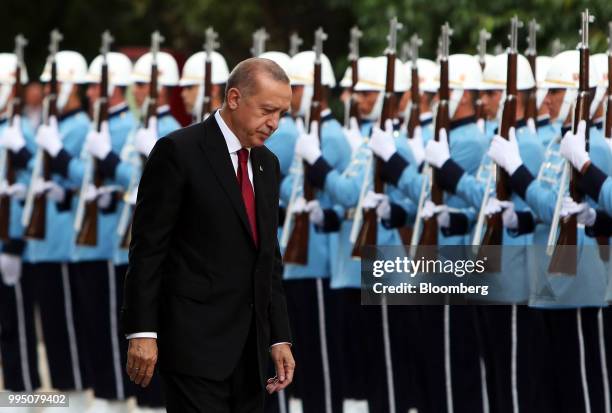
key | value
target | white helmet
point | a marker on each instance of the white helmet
(542, 66)
(71, 68)
(600, 63)
(280, 58)
(494, 76)
(119, 70)
(464, 73)
(373, 75)
(347, 79)
(194, 69)
(564, 73)
(8, 67)
(301, 70)
(429, 74)
(488, 58)
(168, 73)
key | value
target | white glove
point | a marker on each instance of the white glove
(105, 196)
(145, 138)
(299, 205)
(353, 134)
(372, 200)
(382, 142)
(416, 146)
(586, 214)
(307, 144)
(315, 212)
(383, 210)
(505, 152)
(12, 137)
(54, 192)
(509, 216)
(98, 144)
(91, 193)
(48, 137)
(17, 191)
(438, 152)
(10, 268)
(441, 211)
(573, 147)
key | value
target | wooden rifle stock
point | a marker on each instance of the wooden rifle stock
(564, 258)
(415, 96)
(531, 110)
(297, 246)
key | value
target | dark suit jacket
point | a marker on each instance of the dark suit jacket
(195, 276)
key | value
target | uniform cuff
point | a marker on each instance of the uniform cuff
(60, 163)
(108, 165)
(449, 175)
(112, 207)
(20, 159)
(526, 224)
(602, 227)
(397, 218)
(592, 181)
(14, 246)
(66, 204)
(458, 225)
(331, 221)
(392, 170)
(520, 181)
(317, 172)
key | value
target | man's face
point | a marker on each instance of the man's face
(256, 116)
(140, 91)
(189, 95)
(491, 100)
(296, 98)
(93, 93)
(553, 101)
(366, 101)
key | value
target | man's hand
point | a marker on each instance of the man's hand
(142, 357)
(284, 366)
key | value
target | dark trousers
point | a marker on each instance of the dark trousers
(18, 336)
(242, 392)
(97, 296)
(62, 327)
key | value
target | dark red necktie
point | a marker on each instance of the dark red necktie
(247, 191)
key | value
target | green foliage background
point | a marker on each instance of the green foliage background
(183, 23)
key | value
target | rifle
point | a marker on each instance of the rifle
(297, 247)
(429, 236)
(495, 226)
(150, 113)
(86, 222)
(35, 210)
(259, 42)
(353, 57)
(483, 37)
(209, 47)
(531, 111)
(368, 233)
(564, 259)
(415, 95)
(295, 41)
(7, 176)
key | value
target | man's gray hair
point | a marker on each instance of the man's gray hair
(244, 76)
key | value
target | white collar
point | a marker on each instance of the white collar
(163, 108)
(231, 140)
(117, 107)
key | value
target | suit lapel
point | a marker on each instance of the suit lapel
(261, 199)
(217, 153)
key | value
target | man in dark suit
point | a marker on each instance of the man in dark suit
(204, 277)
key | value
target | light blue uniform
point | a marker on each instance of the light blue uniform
(282, 143)
(59, 233)
(336, 152)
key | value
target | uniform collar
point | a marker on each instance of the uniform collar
(163, 110)
(565, 129)
(426, 119)
(462, 122)
(3, 118)
(326, 115)
(521, 123)
(68, 114)
(231, 140)
(544, 121)
(117, 110)
(598, 123)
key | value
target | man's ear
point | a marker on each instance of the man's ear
(233, 98)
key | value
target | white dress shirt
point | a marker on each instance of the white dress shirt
(233, 146)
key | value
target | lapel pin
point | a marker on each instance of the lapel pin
(260, 168)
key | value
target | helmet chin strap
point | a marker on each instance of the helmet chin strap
(453, 104)
(568, 102)
(305, 101)
(377, 108)
(64, 94)
(199, 102)
(540, 95)
(5, 91)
